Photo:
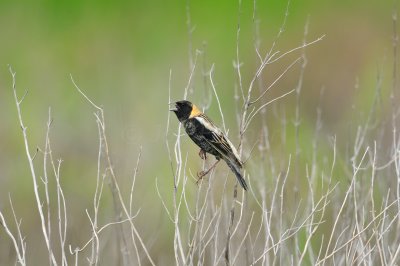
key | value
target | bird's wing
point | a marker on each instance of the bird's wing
(217, 139)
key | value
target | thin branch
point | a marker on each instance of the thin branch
(216, 96)
(275, 81)
(116, 192)
(32, 170)
(251, 115)
(20, 253)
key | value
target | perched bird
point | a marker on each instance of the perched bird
(208, 137)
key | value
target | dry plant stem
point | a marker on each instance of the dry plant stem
(119, 202)
(395, 113)
(297, 117)
(312, 181)
(216, 97)
(18, 240)
(271, 52)
(97, 233)
(268, 59)
(207, 95)
(217, 258)
(116, 197)
(18, 225)
(163, 202)
(243, 239)
(394, 97)
(373, 210)
(95, 243)
(395, 256)
(179, 253)
(229, 233)
(192, 71)
(293, 230)
(32, 170)
(46, 180)
(361, 136)
(284, 236)
(246, 119)
(134, 180)
(252, 114)
(116, 192)
(396, 153)
(178, 244)
(232, 210)
(189, 31)
(202, 228)
(269, 241)
(215, 216)
(264, 144)
(131, 195)
(96, 202)
(238, 64)
(168, 149)
(262, 94)
(387, 207)
(167, 130)
(343, 204)
(268, 55)
(61, 205)
(193, 222)
(178, 248)
(281, 198)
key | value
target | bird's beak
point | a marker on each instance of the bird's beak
(173, 109)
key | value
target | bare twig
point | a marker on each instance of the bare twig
(216, 97)
(117, 195)
(32, 170)
(18, 241)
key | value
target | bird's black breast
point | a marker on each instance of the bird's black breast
(193, 127)
(199, 134)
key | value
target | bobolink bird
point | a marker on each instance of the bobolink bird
(208, 137)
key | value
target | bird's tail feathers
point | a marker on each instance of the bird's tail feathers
(236, 170)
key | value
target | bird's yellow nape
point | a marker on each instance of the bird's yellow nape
(195, 111)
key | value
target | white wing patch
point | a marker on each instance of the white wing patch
(208, 124)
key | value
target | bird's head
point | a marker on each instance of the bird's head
(184, 110)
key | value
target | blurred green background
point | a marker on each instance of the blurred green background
(121, 54)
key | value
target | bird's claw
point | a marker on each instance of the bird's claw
(201, 174)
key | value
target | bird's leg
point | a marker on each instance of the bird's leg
(202, 154)
(201, 174)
